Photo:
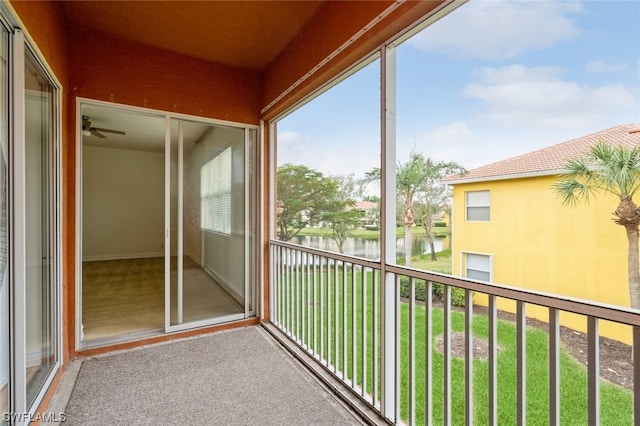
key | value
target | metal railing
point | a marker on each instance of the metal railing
(413, 360)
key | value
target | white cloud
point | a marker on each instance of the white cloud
(289, 138)
(538, 96)
(495, 30)
(329, 157)
(604, 67)
(445, 143)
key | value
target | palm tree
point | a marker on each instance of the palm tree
(614, 170)
(417, 176)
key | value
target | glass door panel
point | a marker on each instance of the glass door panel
(207, 223)
(4, 229)
(123, 226)
(41, 342)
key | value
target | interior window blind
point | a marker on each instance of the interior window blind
(215, 189)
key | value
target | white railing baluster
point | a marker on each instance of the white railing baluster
(289, 281)
(398, 334)
(299, 273)
(344, 321)
(446, 335)
(275, 284)
(335, 317)
(363, 331)
(593, 370)
(374, 338)
(307, 301)
(354, 337)
(322, 326)
(412, 351)
(315, 279)
(428, 353)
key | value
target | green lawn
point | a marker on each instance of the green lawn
(442, 264)
(337, 297)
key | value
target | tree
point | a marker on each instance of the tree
(425, 211)
(614, 170)
(343, 223)
(304, 197)
(415, 178)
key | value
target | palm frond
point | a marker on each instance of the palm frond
(608, 168)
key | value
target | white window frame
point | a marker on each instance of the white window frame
(464, 265)
(477, 204)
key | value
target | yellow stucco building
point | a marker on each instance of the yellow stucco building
(510, 227)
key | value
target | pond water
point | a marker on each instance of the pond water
(370, 248)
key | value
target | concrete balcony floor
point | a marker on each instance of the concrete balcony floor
(242, 376)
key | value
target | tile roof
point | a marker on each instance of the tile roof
(551, 159)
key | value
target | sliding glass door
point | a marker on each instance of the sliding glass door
(166, 223)
(4, 223)
(208, 224)
(40, 241)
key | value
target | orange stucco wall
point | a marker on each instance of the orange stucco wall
(45, 23)
(110, 69)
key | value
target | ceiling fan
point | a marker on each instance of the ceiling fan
(87, 130)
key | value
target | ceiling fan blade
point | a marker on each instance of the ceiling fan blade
(117, 132)
(95, 133)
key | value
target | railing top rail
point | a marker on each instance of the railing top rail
(604, 311)
(374, 264)
(563, 303)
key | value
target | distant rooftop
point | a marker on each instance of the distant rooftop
(549, 160)
(366, 205)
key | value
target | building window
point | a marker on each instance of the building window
(215, 193)
(478, 204)
(478, 266)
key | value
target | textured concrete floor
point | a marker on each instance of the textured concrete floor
(237, 377)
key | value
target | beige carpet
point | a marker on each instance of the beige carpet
(239, 377)
(127, 296)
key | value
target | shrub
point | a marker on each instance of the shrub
(405, 290)
(439, 224)
(457, 294)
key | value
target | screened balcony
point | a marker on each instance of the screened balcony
(358, 340)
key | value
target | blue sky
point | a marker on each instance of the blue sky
(491, 80)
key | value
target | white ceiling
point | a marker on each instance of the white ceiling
(144, 132)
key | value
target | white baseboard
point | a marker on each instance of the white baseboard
(121, 256)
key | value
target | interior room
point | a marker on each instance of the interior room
(163, 223)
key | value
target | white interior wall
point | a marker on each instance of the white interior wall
(122, 203)
(221, 254)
